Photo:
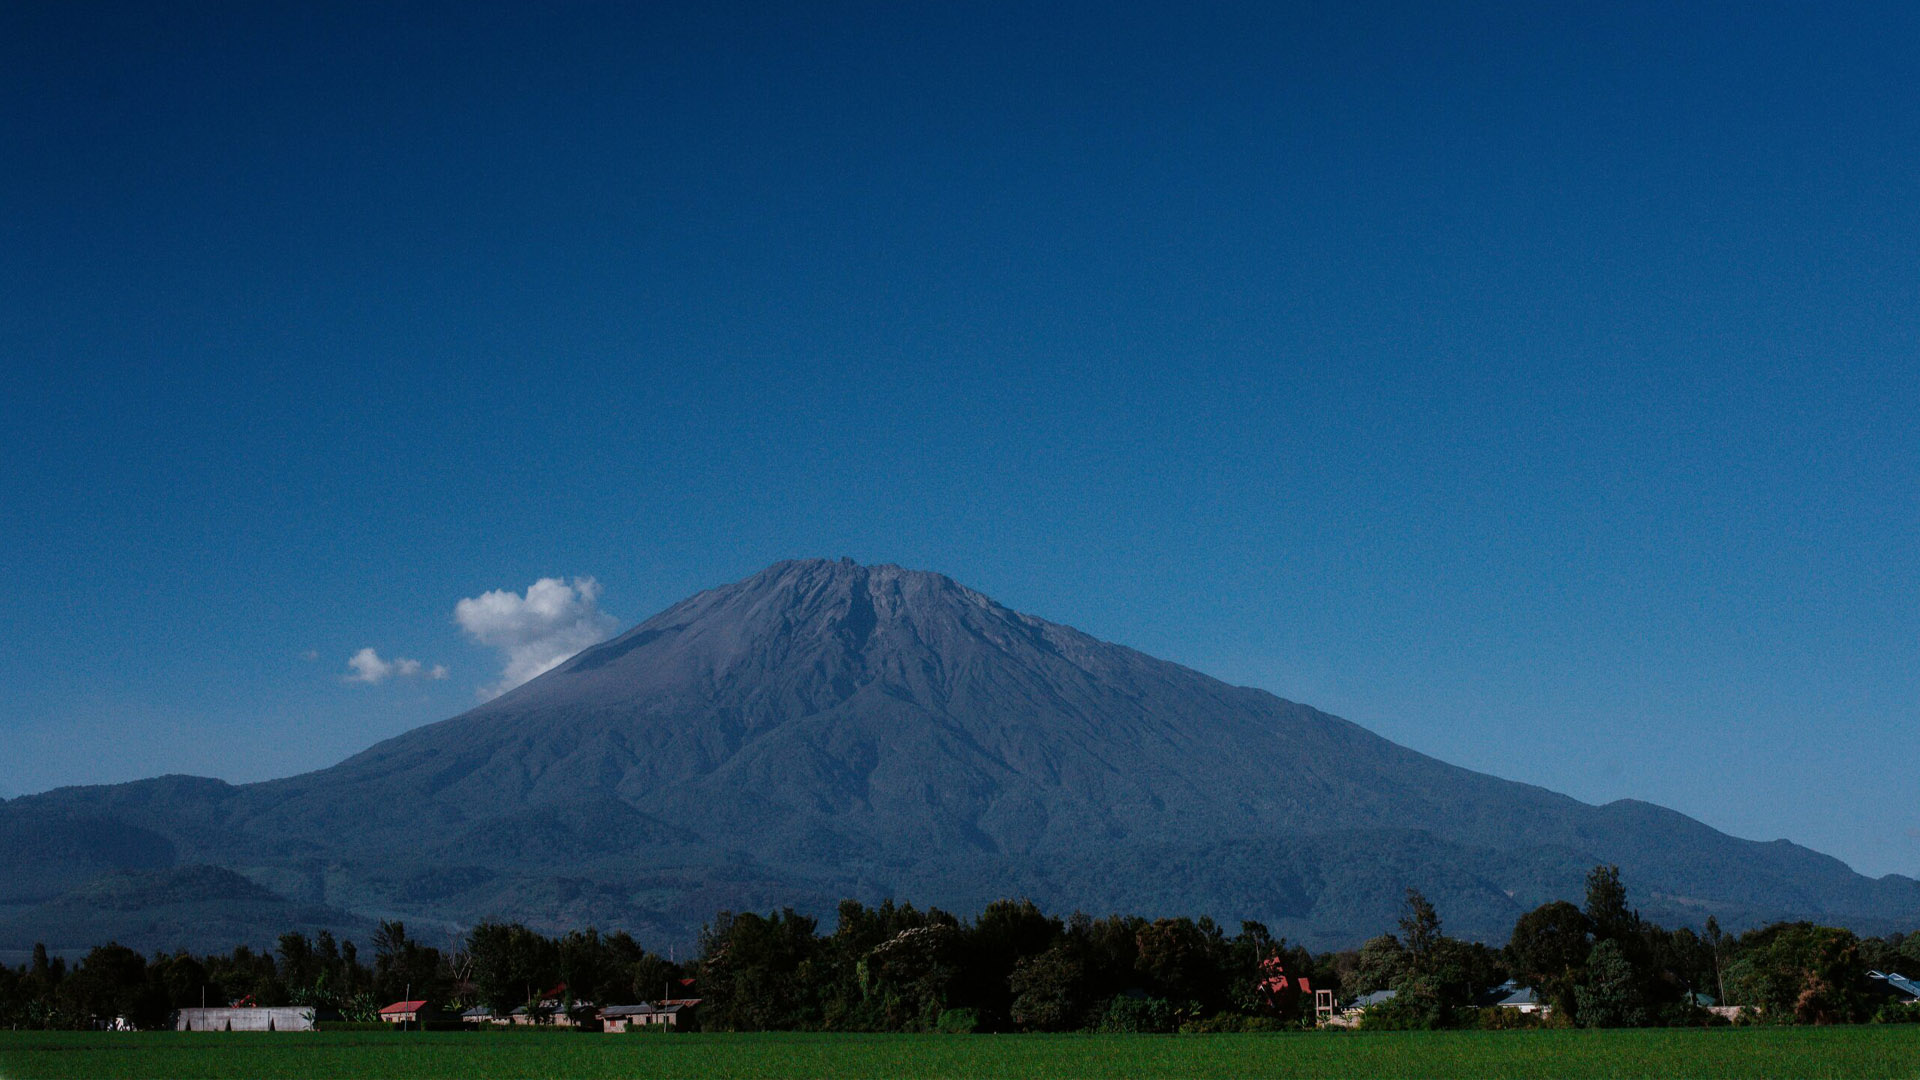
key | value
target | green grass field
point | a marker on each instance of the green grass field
(1891, 1051)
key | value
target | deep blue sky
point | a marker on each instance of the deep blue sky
(1536, 385)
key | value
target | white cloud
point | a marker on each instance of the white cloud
(536, 632)
(369, 668)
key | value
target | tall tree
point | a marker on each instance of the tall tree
(1048, 991)
(510, 965)
(758, 972)
(1549, 951)
(1801, 973)
(1007, 932)
(1419, 926)
(403, 966)
(1610, 994)
(1607, 911)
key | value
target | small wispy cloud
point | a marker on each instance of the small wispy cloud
(366, 666)
(537, 631)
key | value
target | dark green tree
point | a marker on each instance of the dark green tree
(758, 973)
(1801, 973)
(1608, 915)
(510, 965)
(1549, 951)
(1610, 996)
(403, 966)
(1419, 927)
(588, 967)
(907, 977)
(1048, 991)
(1178, 958)
(651, 977)
(1382, 964)
(1438, 975)
(185, 982)
(1007, 932)
(111, 984)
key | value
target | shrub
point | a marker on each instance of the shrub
(1142, 1015)
(1236, 1023)
(1896, 1013)
(958, 1022)
(1399, 1014)
(1494, 1018)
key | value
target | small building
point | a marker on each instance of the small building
(289, 1018)
(1368, 1001)
(480, 1014)
(1906, 991)
(405, 1012)
(674, 1014)
(616, 1019)
(681, 1013)
(1348, 1017)
(1521, 999)
(557, 1008)
(555, 1011)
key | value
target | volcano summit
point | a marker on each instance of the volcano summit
(826, 729)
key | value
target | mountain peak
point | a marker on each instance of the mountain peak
(825, 728)
(846, 574)
(802, 629)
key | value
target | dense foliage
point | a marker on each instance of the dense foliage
(1016, 968)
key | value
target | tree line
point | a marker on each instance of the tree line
(1013, 967)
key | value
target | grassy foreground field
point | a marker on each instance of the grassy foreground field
(1891, 1051)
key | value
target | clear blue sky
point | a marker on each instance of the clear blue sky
(1534, 384)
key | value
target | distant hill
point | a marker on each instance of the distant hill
(201, 908)
(825, 729)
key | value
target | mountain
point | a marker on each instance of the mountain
(826, 729)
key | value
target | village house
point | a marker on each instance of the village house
(1521, 999)
(1349, 1017)
(1907, 991)
(288, 1018)
(675, 1014)
(1368, 1001)
(406, 1012)
(617, 1019)
(554, 1008)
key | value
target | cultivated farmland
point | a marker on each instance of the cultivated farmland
(1881, 1051)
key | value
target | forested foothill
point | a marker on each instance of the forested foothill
(897, 968)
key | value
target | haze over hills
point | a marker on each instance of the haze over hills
(825, 729)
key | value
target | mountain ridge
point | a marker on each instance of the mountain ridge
(824, 728)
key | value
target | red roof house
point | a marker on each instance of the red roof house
(410, 1012)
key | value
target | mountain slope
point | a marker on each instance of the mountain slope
(825, 729)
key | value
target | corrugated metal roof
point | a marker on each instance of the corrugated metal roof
(670, 1006)
(404, 1006)
(1898, 981)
